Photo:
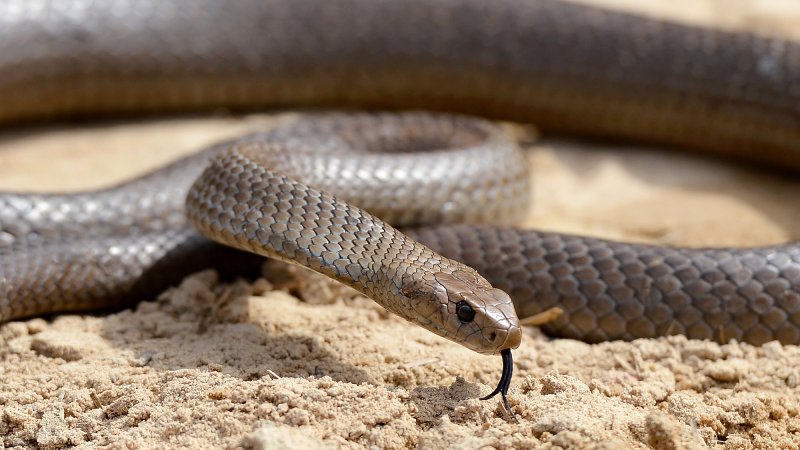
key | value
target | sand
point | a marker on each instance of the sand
(293, 361)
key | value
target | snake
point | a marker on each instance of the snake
(318, 192)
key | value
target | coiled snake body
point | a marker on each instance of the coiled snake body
(561, 66)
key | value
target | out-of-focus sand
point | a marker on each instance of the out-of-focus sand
(211, 365)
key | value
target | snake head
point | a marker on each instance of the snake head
(462, 306)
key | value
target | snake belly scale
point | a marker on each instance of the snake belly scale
(562, 66)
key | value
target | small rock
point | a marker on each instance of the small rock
(53, 431)
(270, 436)
(69, 346)
(728, 370)
(554, 384)
(666, 433)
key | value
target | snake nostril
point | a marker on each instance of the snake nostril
(492, 336)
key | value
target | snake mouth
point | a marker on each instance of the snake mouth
(505, 381)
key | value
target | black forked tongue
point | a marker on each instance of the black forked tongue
(505, 381)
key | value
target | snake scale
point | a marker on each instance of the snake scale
(567, 68)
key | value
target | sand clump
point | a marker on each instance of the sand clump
(262, 371)
(294, 361)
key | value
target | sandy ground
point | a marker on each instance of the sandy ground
(251, 365)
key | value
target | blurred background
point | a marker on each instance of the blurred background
(645, 194)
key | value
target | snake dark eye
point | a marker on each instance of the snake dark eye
(464, 312)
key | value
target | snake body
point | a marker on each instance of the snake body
(564, 67)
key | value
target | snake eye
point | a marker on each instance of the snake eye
(464, 312)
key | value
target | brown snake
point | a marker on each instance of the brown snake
(564, 67)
